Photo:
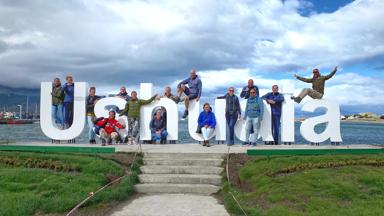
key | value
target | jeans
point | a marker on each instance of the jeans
(276, 127)
(134, 127)
(91, 125)
(68, 113)
(231, 122)
(248, 125)
(57, 115)
(207, 132)
(158, 137)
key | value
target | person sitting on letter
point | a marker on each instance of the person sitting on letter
(158, 128)
(193, 92)
(318, 82)
(207, 123)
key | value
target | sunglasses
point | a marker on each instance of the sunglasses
(231, 90)
(253, 92)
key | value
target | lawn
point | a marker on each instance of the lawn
(41, 183)
(306, 185)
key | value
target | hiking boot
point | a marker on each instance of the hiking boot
(207, 144)
(296, 99)
(103, 142)
(109, 141)
(185, 114)
(204, 143)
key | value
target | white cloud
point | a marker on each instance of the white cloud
(113, 43)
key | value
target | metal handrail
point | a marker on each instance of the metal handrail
(229, 182)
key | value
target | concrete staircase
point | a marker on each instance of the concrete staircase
(195, 173)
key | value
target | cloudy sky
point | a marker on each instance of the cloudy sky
(112, 43)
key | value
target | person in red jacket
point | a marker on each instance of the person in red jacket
(108, 128)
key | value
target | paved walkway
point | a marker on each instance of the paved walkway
(172, 205)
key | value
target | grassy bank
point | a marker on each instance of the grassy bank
(306, 185)
(41, 183)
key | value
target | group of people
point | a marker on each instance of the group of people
(62, 102)
(187, 90)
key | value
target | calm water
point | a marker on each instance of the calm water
(352, 133)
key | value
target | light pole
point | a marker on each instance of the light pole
(21, 107)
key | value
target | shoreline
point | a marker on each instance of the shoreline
(375, 121)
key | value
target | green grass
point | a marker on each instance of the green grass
(54, 183)
(310, 185)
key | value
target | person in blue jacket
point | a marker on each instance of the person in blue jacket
(253, 115)
(193, 91)
(68, 89)
(275, 99)
(207, 123)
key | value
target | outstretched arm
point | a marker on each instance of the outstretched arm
(125, 111)
(264, 96)
(331, 74)
(144, 102)
(303, 79)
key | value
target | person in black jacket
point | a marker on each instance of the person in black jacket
(232, 112)
(91, 100)
(245, 93)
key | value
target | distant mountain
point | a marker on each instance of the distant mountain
(344, 110)
(11, 97)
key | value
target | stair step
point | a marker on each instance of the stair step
(203, 189)
(180, 179)
(184, 155)
(183, 162)
(156, 169)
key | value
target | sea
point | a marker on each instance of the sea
(352, 133)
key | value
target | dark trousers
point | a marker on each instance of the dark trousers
(68, 113)
(231, 122)
(276, 127)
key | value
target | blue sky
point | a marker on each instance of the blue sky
(322, 6)
(110, 43)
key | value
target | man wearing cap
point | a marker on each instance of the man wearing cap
(318, 82)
